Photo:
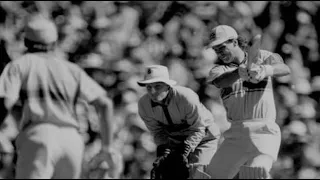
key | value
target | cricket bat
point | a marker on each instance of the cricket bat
(253, 51)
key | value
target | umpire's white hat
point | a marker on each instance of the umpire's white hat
(40, 29)
(156, 73)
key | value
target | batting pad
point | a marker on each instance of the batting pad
(247, 172)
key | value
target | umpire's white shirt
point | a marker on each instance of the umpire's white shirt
(190, 117)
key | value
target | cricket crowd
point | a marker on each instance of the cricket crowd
(114, 40)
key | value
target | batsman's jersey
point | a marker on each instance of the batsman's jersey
(247, 101)
(187, 119)
(47, 88)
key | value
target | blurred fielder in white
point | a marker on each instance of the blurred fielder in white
(48, 87)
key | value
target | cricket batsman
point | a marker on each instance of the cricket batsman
(244, 74)
(47, 87)
(184, 130)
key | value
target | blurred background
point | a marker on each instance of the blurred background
(114, 40)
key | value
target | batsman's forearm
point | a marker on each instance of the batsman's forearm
(280, 70)
(226, 79)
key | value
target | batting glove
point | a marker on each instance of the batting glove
(162, 150)
(177, 166)
(162, 154)
(181, 160)
(258, 72)
(243, 72)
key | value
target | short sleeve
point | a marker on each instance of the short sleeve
(273, 58)
(89, 88)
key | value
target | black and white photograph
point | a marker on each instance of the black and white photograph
(159, 90)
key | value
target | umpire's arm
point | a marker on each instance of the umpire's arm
(198, 117)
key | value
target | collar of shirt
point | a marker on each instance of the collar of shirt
(245, 58)
(165, 102)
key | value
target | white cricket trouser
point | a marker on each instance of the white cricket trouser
(47, 151)
(244, 141)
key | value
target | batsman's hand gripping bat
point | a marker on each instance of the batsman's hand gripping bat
(253, 53)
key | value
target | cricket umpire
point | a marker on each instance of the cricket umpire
(183, 128)
(49, 144)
